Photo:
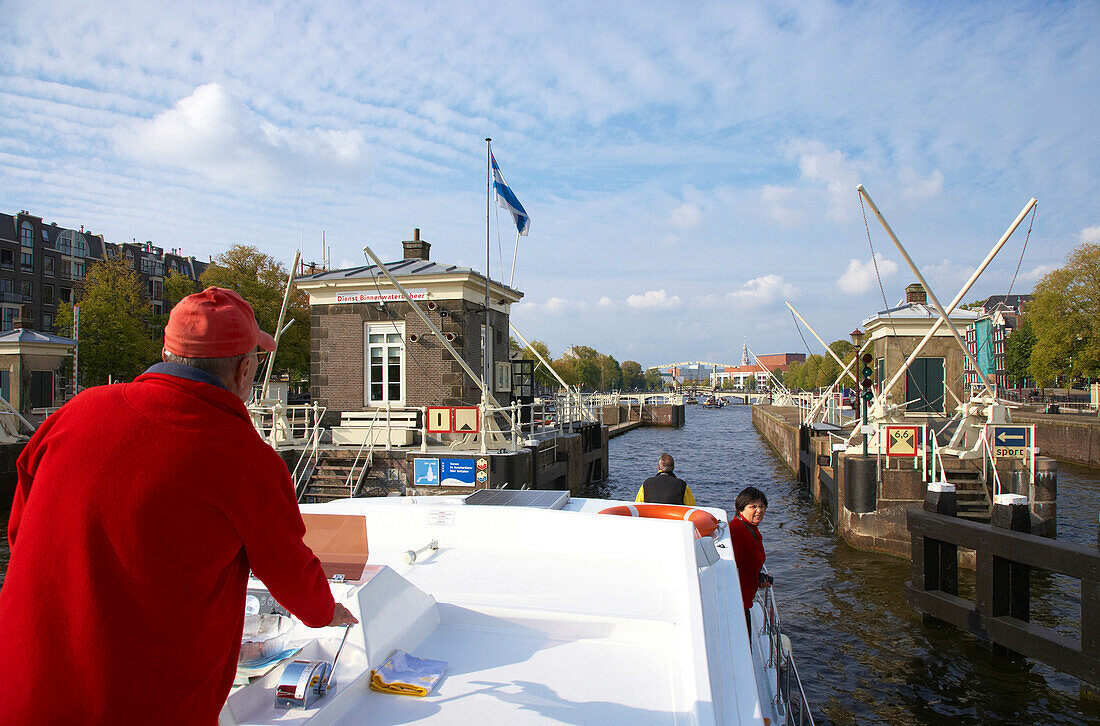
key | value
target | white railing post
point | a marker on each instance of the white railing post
(424, 430)
(483, 410)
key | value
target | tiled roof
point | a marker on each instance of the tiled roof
(24, 335)
(401, 268)
(914, 311)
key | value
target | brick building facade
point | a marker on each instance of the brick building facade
(41, 263)
(369, 348)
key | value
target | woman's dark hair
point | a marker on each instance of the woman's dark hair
(751, 495)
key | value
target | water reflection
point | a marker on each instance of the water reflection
(865, 656)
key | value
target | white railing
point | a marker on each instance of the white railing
(353, 488)
(792, 702)
(307, 461)
(282, 426)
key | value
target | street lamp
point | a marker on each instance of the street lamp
(866, 394)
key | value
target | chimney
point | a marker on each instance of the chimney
(416, 248)
(915, 293)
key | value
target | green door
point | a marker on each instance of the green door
(924, 386)
(41, 389)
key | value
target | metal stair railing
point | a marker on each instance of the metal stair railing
(307, 463)
(354, 490)
(987, 455)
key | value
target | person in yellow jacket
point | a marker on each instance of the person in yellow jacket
(666, 487)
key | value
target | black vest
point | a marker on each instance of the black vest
(664, 489)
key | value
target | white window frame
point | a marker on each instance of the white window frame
(387, 328)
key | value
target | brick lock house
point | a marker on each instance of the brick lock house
(934, 383)
(369, 348)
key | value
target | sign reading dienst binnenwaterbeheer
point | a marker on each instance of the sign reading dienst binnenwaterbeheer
(374, 296)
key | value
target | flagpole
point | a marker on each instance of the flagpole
(488, 193)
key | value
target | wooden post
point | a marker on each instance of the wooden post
(940, 559)
(1010, 582)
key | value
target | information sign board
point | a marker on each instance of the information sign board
(902, 441)
(1010, 442)
(466, 420)
(439, 419)
(457, 472)
(426, 472)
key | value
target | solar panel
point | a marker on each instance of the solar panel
(539, 499)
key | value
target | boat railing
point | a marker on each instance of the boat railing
(790, 696)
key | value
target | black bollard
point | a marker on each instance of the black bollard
(1011, 580)
(860, 484)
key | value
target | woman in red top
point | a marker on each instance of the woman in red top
(748, 546)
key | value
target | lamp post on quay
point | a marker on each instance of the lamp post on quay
(866, 394)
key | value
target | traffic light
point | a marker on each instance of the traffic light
(868, 381)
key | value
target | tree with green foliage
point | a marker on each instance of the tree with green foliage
(632, 375)
(1065, 318)
(653, 380)
(1018, 347)
(261, 280)
(116, 340)
(750, 383)
(177, 286)
(611, 373)
(543, 377)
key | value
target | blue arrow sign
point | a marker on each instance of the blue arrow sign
(1009, 436)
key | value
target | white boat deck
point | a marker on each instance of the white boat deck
(543, 617)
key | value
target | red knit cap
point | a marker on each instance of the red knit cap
(214, 323)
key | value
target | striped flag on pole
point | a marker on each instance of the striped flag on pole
(507, 200)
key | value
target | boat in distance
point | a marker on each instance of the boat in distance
(544, 609)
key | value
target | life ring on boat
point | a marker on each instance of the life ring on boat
(705, 522)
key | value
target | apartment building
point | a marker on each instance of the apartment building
(40, 264)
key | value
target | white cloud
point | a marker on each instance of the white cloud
(605, 302)
(687, 216)
(1089, 234)
(214, 134)
(557, 305)
(764, 290)
(654, 299)
(832, 169)
(1037, 272)
(860, 275)
(916, 187)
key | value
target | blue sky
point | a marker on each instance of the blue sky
(687, 166)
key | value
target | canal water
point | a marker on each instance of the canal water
(865, 657)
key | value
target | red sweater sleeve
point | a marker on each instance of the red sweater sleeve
(266, 515)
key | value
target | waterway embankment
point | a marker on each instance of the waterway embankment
(867, 496)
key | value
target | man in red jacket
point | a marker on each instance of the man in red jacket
(139, 511)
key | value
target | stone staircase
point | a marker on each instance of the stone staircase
(970, 491)
(329, 479)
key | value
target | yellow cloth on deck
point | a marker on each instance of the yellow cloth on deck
(407, 675)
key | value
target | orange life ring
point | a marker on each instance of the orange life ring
(705, 522)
